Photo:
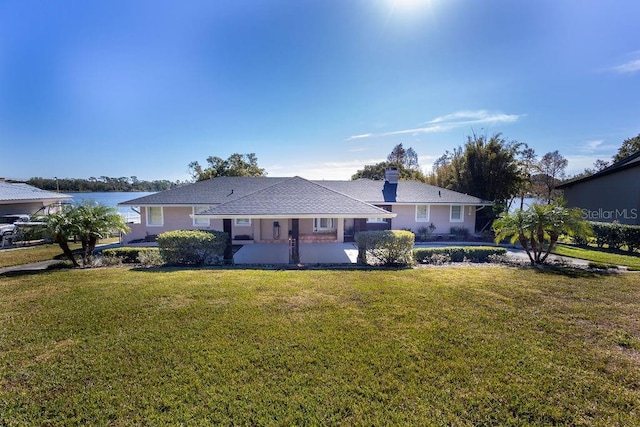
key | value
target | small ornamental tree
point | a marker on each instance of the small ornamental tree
(538, 228)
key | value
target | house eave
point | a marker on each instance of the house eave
(289, 216)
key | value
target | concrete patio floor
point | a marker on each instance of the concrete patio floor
(310, 253)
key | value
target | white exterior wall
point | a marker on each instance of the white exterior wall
(439, 215)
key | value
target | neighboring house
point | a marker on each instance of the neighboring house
(26, 199)
(613, 194)
(272, 209)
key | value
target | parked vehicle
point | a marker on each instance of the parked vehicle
(8, 222)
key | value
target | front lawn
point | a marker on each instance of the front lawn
(19, 255)
(429, 346)
(598, 255)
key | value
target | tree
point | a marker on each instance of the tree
(551, 166)
(538, 228)
(629, 146)
(235, 165)
(411, 159)
(527, 165)
(377, 172)
(60, 228)
(486, 167)
(397, 155)
(407, 158)
(95, 221)
(87, 222)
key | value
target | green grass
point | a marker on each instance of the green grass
(442, 346)
(602, 256)
(43, 252)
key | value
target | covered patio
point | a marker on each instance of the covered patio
(309, 253)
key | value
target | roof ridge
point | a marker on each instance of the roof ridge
(253, 192)
(344, 195)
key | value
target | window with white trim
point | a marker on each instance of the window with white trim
(323, 224)
(457, 213)
(376, 220)
(200, 222)
(154, 216)
(242, 222)
(422, 213)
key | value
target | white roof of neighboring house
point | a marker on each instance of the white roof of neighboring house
(22, 193)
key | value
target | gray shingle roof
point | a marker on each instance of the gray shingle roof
(10, 193)
(208, 192)
(226, 189)
(296, 196)
(407, 192)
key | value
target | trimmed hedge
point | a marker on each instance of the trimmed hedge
(615, 235)
(192, 247)
(128, 255)
(458, 253)
(386, 247)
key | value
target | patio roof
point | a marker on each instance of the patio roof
(295, 198)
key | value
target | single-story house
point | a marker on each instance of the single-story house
(26, 199)
(613, 194)
(271, 209)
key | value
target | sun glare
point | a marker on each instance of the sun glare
(409, 4)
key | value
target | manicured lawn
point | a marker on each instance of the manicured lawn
(598, 255)
(434, 346)
(23, 255)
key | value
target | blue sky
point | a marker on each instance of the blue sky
(316, 88)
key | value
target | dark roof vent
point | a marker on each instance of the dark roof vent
(392, 175)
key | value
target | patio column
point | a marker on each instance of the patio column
(295, 241)
(228, 250)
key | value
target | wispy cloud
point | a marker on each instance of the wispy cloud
(596, 146)
(630, 66)
(364, 135)
(449, 122)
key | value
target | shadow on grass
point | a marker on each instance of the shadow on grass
(272, 267)
(572, 272)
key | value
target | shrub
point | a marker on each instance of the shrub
(460, 232)
(459, 253)
(192, 247)
(151, 257)
(615, 235)
(386, 247)
(128, 255)
(631, 237)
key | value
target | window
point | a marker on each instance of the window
(203, 222)
(456, 213)
(376, 220)
(422, 213)
(242, 222)
(154, 215)
(323, 224)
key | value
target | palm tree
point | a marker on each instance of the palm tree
(538, 228)
(60, 228)
(88, 222)
(95, 221)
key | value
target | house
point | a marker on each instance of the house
(271, 209)
(613, 194)
(27, 199)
